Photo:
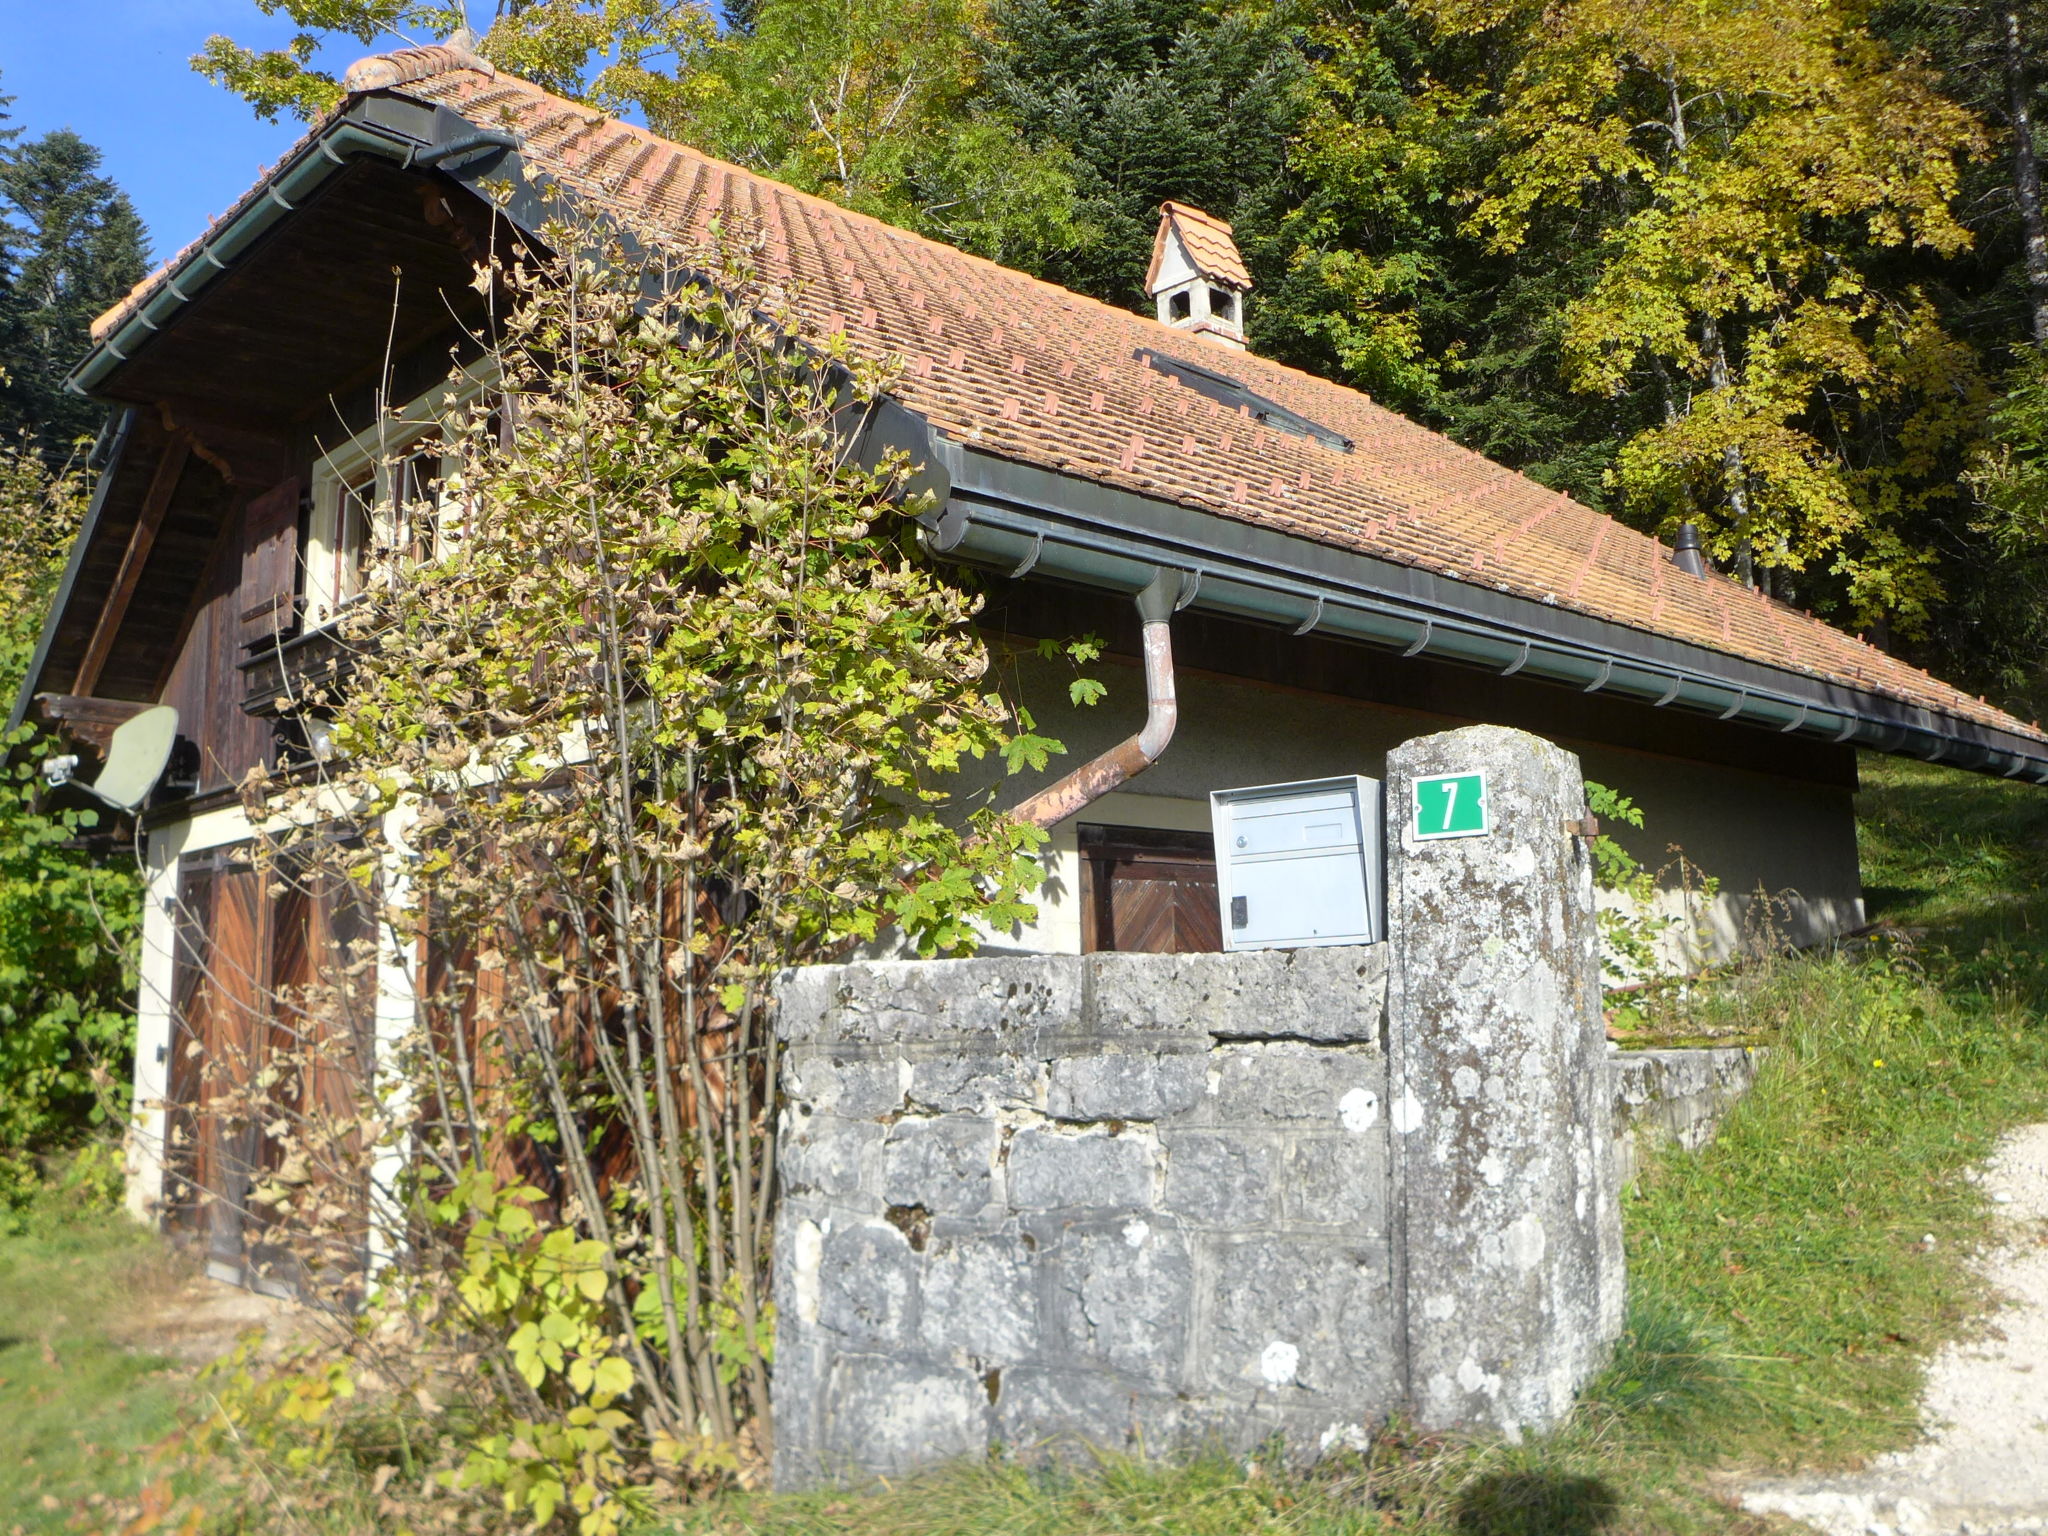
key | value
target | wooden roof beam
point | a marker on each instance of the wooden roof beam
(162, 485)
(92, 721)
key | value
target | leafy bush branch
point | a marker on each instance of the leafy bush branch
(648, 701)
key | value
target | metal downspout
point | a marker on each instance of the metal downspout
(1133, 755)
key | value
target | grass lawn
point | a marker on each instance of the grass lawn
(78, 1404)
(1783, 1292)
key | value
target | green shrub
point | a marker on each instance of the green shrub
(68, 924)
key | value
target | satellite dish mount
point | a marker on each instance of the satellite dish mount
(136, 759)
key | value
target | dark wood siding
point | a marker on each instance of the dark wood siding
(204, 681)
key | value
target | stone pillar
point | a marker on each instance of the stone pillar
(1508, 1228)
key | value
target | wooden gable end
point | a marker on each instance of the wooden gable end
(193, 564)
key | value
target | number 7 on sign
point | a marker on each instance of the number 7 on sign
(1451, 805)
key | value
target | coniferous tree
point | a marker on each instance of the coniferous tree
(1154, 99)
(13, 390)
(82, 246)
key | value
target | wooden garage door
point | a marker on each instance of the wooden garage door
(249, 945)
(219, 1033)
(1150, 892)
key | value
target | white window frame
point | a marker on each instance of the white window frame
(376, 448)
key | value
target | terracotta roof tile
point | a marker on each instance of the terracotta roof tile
(1029, 371)
(1208, 242)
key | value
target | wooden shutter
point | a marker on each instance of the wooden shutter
(270, 564)
(1150, 892)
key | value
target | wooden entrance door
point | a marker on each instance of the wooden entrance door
(1148, 891)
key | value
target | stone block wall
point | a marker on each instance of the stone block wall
(1129, 1199)
(1158, 1201)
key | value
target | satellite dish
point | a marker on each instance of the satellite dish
(136, 759)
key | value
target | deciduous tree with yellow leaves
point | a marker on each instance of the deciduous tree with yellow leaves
(1751, 161)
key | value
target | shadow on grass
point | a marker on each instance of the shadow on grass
(1887, 900)
(1534, 1504)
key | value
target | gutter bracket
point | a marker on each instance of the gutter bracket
(1031, 559)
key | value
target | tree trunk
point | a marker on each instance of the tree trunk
(2026, 165)
(1734, 472)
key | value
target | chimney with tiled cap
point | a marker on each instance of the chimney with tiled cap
(1197, 277)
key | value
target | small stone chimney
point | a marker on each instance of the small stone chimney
(1197, 278)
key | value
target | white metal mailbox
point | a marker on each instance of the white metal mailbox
(1299, 864)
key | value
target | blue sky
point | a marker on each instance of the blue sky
(116, 72)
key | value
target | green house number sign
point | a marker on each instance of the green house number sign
(1452, 805)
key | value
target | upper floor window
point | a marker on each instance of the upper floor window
(391, 507)
(385, 492)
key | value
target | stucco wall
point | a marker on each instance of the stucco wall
(1794, 839)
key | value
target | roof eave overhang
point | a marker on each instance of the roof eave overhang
(105, 461)
(392, 128)
(1022, 520)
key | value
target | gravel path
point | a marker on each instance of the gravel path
(1983, 1470)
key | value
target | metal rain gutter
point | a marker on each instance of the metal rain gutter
(1018, 520)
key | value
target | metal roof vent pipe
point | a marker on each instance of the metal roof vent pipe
(1687, 554)
(1133, 755)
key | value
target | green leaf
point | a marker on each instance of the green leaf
(614, 1376)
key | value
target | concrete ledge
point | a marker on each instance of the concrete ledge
(1678, 1097)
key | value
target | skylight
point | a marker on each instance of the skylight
(1230, 392)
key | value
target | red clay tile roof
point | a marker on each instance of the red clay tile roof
(1019, 368)
(1208, 242)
